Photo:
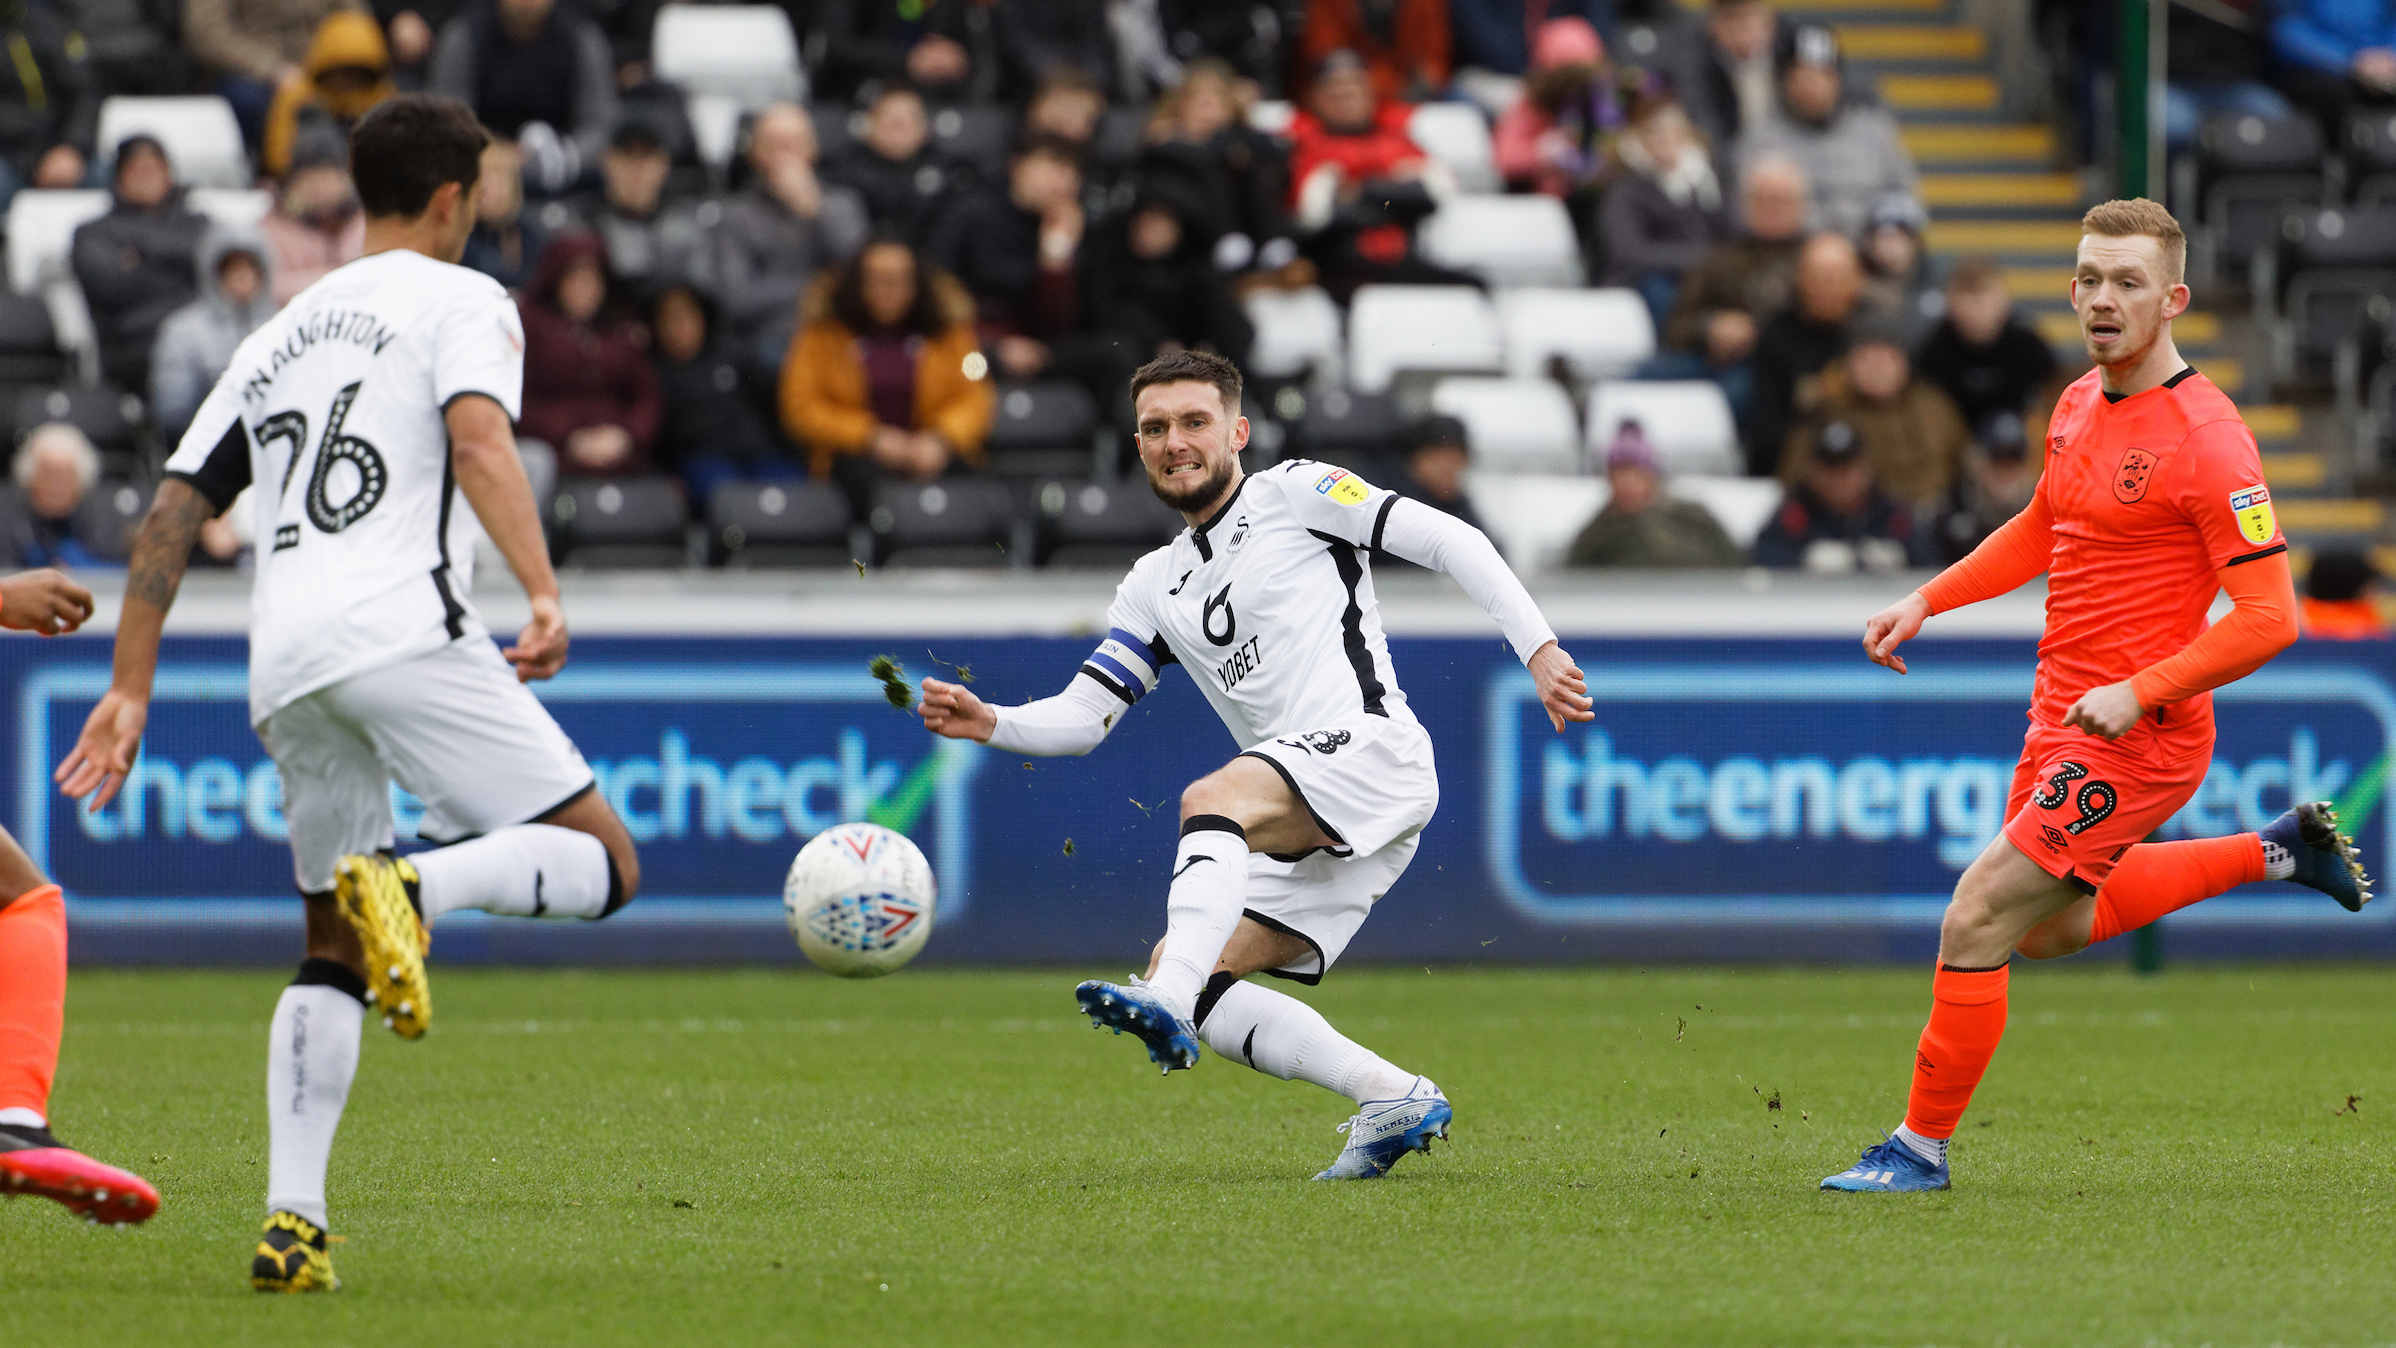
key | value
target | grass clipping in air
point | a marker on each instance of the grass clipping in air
(894, 682)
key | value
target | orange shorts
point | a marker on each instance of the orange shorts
(2079, 802)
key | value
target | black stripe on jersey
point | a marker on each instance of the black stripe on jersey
(2273, 551)
(453, 613)
(1163, 653)
(1110, 683)
(226, 471)
(1351, 622)
(1381, 521)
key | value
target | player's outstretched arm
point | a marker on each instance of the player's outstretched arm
(43, 601)
(1440, 541)
(952, 710)
(104, 752)
(2012, 556)
(482, 446)
(1072, 723)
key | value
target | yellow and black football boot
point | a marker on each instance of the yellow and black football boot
(293, 1256)
(377, 894)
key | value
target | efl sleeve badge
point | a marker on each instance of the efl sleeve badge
(2252, 507)
(1344, 487)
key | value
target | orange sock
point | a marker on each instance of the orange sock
(33, 996)
(2152, 879)
(1967, 1018)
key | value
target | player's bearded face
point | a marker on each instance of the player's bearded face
(1189, 447)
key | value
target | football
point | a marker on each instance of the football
(859, 898)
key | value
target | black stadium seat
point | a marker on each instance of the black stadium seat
(29, 351)
(779, 524)
(1100, 524)
(106, 521)
(1046, 429)
(2255, 170)
(1354, 430)
(110, 419)
(957, 521)
(2337, 262)
(619, 522)
(2371, 154)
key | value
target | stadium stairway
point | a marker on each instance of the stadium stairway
(1993, 187)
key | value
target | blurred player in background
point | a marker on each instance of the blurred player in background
(1267, 600)
(33, 983)
(2153, 499)
(362, 413)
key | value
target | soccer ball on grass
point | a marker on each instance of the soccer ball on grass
(859, 898)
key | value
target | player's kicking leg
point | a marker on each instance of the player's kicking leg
(33, 996)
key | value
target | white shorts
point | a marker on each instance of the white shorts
(452, 726)
(1372, 784)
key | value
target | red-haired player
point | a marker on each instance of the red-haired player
(2152, 500)
(33, 983)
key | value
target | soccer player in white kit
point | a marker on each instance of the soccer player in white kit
(1267, 600)
(357, 417)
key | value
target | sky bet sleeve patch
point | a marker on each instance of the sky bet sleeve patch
(2252, 507)
(1343, 486)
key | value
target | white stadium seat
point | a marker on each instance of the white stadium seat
(1599, 333)
(1743, 505)
(237, 208)
(1505, 240)
(1272, 115)
(1687, 421)
(1295, 330)
(743, 52)
(1438, 328)
(1457, 135)
(715, 125)
(41, 231)
(201, 136)
(1533, 517)
(1514, 425)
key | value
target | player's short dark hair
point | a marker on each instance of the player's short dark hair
(402, 151)
(1192, 367)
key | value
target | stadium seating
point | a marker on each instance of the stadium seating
(110, 419)
(1297, 332)
(201, 136)
(107, 519)
(236, 207)
(1505, 240)
(623, 522)
(1272, 116)
(1533, 517)
(2253, 171)
(1354, 430)
(1598, 333)
(747, 53)
(1457, 135)
(1688, 422)
(1439, 329)
(976, 136)
(958, 521)
(1048, 428)
(760, 524)
(1514, 425)
(2371, 154)
(715, 128)
(41, 231)
(2337, 260)
(1101, 525)
(1743, 505)
(29, 350)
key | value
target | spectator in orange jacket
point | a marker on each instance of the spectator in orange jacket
(887, 379)
(1404, 43)
(347, 72)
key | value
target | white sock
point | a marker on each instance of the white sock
(1210, 891)
(23, 1117)
(2278, 862)
(1283, 1037)
(525, 870)
(1931, 1149)
(311, 1057)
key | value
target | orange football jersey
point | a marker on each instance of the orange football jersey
(2150, 495)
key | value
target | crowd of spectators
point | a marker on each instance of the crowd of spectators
(848, 301)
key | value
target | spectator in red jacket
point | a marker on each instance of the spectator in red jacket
(1360, 184)
(1403, 43)
(588, 387)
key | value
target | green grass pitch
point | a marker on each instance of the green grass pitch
(955, 1158)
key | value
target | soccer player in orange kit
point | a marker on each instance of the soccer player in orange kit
(2152, 499)
(33, 983)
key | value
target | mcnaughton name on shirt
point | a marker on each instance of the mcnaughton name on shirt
(353, 326)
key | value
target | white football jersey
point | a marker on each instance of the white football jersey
(1268, 604)
(334, 410)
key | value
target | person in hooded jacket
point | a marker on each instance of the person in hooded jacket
(589, 389)
(1151, 282)
(196, 342)
(139, 262)
(347, 72)
(1850, 150)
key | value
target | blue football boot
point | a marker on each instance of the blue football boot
(2325, 858)
(1383, 1131)
(1134, 1006)
(1889, 1167)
